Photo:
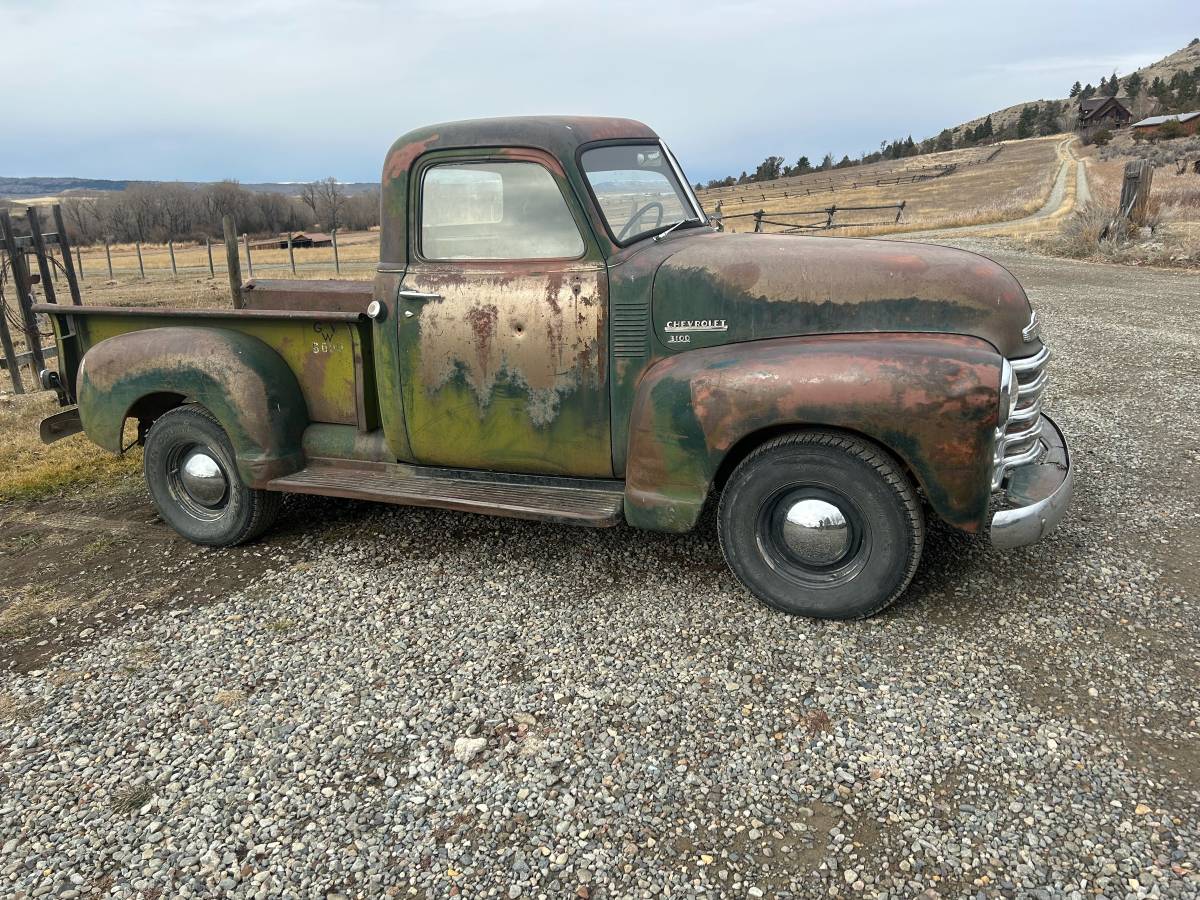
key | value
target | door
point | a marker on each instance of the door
(502, 321)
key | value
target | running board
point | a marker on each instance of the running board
(572, 501)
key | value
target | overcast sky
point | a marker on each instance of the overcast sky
(283, 90)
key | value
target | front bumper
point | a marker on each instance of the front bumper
(1039, 494)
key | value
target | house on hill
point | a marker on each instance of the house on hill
(1103, 112)
(1189, 123)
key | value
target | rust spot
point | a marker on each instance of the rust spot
(482, 320)
(400, 159)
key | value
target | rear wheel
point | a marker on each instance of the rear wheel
(821, 524)
(193, 479)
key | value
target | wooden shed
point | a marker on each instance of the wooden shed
(1189, 122)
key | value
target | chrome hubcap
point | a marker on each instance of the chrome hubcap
(816, 532)
(203, 479)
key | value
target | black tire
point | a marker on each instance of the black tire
(240, 514)
(790, 550)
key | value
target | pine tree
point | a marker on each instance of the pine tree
(1114, 85)
(1088, 92)
(1026, 122)
(1075, 89)
(1133, 85)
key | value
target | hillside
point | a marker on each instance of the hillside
(1183, 60)
(33, 187)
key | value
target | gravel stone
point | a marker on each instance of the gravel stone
(415, 703)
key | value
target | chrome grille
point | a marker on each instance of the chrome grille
(1019, 442)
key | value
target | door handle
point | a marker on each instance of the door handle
(418, 295)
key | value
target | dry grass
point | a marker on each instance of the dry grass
(231, 698)
(1014, 184)
(356, 250)
(131, 799)
(31, 470)
(26, 613)
(1174, 214)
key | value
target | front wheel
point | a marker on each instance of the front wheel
(821, 524)
(193, 479)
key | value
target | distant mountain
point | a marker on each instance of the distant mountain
(46, 187)
(17, 188)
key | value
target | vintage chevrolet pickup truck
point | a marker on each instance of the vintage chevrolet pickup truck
(557, 331)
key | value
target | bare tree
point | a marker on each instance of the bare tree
(362, 211)
(81, 218)
(310, 197)
(327, 200)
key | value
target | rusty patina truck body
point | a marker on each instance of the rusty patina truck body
(557, 332)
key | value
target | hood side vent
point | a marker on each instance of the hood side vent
(630, 328)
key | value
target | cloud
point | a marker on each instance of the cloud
(272, 90)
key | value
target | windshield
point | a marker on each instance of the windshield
(637, 189)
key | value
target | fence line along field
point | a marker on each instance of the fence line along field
(940, 190)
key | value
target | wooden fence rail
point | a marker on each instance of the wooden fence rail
(829, 212)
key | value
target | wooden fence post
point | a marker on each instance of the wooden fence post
(249, 261)
(171, 250)
(10, 357)
(24, 298)
(108, 256)
(291, 254)
(337, 266)
(208, 246)
(6, 344)
(1135, 191)
(72, 276)
(233, 263)
(39, 249)
(79, 262)
(758, 217)
(141, 267)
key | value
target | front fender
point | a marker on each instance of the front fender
(932, 400)
(238, 378)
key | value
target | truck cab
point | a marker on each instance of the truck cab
(557, 331)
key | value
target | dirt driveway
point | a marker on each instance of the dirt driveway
(417, 703)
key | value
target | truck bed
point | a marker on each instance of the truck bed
(329, 350)
(304, 295)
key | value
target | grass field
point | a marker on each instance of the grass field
(356, 250)
(1013, 184)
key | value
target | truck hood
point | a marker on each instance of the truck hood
(724, 288)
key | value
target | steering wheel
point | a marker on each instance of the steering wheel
(636, 217)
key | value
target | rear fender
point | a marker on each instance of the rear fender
(238, 378)
(932, 400)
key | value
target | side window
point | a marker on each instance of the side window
(495, 210)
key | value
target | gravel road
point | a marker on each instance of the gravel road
(423, 704)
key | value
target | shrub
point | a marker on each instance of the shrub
(1081, 232)
(1102, 137)
(1170, 129)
